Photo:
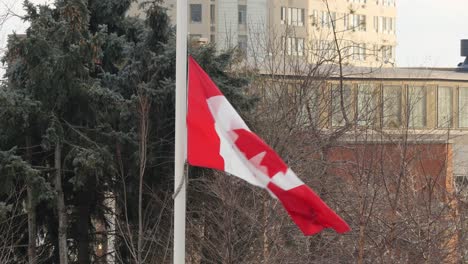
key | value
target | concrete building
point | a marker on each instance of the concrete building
(365, 29)
(426, 106)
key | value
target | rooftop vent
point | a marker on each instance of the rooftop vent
(463, 66)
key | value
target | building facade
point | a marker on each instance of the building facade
(427, 107)
(364, 29)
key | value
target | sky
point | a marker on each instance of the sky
(428, 31)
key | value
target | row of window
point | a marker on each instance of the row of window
(293, 46)
(378, 2)
(364, 106)
(196, 14)
(354, 51)
(384, 25)
(362, 52)
(386, 2)
(353, 22)
(292, 16)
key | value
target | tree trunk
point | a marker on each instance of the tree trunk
(361, 245)
(144, 128)
(265, 246)
(31, 208)
(32, 228)
(61, 210)
(84, 200)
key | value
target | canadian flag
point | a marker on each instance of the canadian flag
(218, 138)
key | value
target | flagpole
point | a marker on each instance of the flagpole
(180, 133)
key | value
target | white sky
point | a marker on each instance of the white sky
(428, 31)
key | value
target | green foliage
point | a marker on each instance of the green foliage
(76, 80)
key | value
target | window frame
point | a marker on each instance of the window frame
(399, 108)
(410, 109)
(242, 15)
(460, 106)
(192, 6)
(450, 120)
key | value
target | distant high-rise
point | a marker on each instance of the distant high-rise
(365, 29)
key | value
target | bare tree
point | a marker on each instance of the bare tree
(394, 186)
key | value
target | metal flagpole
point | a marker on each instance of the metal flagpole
(180, 134)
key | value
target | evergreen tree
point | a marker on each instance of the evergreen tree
(88, 117)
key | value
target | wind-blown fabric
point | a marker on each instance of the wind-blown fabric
(218, 138)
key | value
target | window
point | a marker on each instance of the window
(362, 23)
(387, 53)
(376, 24)
(463, 107)
(296, 16)
(324, 49)
(196, 13)
(212, 38)
(366, 105)
(390, 25)
(380, 24)
(326, 19)
(337, 113)
(309, 103)
(300, 47)
(417, 106)
(283, 15)
(242, 43)
(356, 22)
(359, 52)
(362, 52)
(392, 106)
(242, 14)
(346, 21)
(295, 46)
(444, 107)
(212, 14)
(384, 25)
(386, 2)
(315, 18)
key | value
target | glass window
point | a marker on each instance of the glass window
(196, 13)
(376, 24)
(314, 18)
(337, 113)
(242, 41)
(392, 106)
(366, 104)
(212, 14)
(362, 23)
(309, 114)
(346, 21)
(381, 23)
(295, 46)
(417, 106)
(301, 17)
(242, 14)
(296, 16)
(444, 107)
(283, 15)
(291, 43)
(463, 107)
(300, 47)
